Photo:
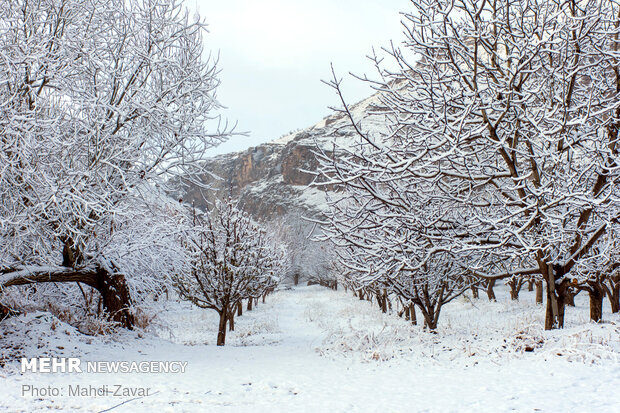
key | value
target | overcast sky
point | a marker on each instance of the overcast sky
(274, 53)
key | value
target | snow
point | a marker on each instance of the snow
(328, 131)
(310, 349)
(283, 140)
(314, 197)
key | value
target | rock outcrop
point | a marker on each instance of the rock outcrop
(274, 179)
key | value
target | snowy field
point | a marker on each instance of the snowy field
(311, 349)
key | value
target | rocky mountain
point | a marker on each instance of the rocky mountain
(270, 180)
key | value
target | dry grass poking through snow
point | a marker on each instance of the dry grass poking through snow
(470, 331)
(41, 334)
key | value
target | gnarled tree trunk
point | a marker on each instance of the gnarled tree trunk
(490, 292)
(115, 297)
(431, 316)
(570, 297)
(597, 294)
(515, 285)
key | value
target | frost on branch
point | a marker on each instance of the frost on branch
(232, 259)
(502, 147)
(99, 105)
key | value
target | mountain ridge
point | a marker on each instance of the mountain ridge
(270, 180)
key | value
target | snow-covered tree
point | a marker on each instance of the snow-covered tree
(100, 102)
(232, 260)
(599, 275)
(307, 258)
(145, 245)
(503, 143)
(381, 241)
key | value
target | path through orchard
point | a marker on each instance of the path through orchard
(272, 364)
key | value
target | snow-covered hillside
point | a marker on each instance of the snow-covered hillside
(311, 349)
(272, 179)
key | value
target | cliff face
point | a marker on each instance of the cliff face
(270, 180)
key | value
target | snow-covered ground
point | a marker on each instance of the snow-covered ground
(311, 349)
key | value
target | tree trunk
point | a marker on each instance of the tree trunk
(115, 297)
(430, 322)
(514, 294)
(382, 302)
(240, 308)
(515, 287)
(431, 316)
(549, 323)
(569, 300)
(556, 297)
(296, 279)
(249, 308)
(412, 314)
(474, 291)
(614, 299)
(613, 294)
(490, 292)
(530, 285)
(539, 292)
(231, 320)
(596, 301)
(221, 332)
